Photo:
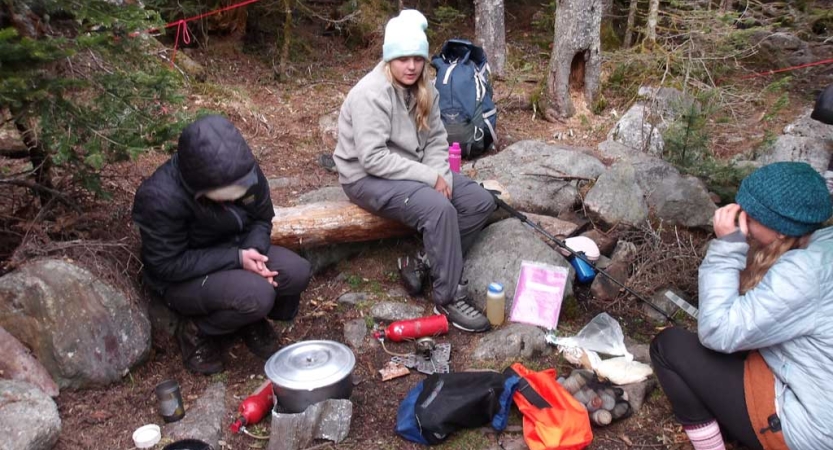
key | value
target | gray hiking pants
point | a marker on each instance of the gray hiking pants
(223, 302)
(448, 227)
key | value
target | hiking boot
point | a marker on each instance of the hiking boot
(414, 273)
(200, 352)
(462, 314)
(261, 339)
(326, 161)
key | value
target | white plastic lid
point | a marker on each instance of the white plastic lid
(147, 436)
(495, 288)
(582, 244)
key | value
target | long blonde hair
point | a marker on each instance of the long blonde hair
(424, 95)
(760, 258)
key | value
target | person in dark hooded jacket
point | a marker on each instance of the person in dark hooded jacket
(205, 219)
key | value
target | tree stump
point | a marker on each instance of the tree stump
(575, 63)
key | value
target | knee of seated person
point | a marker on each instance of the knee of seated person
(255, 299)
(486, 201)
(666, 339)
(296, 278)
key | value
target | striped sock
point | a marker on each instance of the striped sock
(705, 436)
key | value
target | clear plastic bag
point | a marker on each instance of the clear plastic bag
(602, 335)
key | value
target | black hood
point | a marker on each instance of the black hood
(212, 153)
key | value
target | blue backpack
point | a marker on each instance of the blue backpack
(466, 105)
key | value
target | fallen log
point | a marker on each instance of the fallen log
(325, 223)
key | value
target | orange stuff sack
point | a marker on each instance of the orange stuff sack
(552, 418)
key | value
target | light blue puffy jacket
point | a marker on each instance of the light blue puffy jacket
(788, 317)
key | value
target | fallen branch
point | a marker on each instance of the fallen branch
(41, 189)
(14, 153)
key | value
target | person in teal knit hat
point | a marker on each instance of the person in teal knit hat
(759, 368)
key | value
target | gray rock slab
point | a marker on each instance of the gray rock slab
(527, 169)
(397, 292)
(603, 288)
(353, 298)
(16, 363)
(283, 182)
(328, 420)
(203, 420)
(651, 172)
(782, 49)
(355, 332)
(641, 352)
(325, 194)
(29, 418)
(638, 392)
(83, 330)
(392, 311)
(553, 226)
(617, 198)
(510, 342)
(497, 254)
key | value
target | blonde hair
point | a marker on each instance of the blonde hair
(761, 257)
(424, 95)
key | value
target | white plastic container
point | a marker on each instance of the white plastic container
(495, 304)
(147, 436)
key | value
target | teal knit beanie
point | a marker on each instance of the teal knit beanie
(788, 197)
(405, 36)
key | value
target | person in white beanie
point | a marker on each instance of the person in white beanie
(392, 160)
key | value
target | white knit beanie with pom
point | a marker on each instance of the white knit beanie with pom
(405, 36)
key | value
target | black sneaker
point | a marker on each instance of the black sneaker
(414, 273)
(462, 314)
(326, 161)
(200, 352)
(261, 339)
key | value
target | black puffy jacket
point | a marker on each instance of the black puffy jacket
(185, 237)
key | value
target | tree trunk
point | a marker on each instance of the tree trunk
(632, 8)
(283, 64)
(490, 32)
(651, 26)
(575, 63)
(38, 156)
(325, 223)
(726, 5)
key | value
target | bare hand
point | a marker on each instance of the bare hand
(442, 187)
(728, 219)
(254, 262)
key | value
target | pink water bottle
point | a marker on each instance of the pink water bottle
(454, 157)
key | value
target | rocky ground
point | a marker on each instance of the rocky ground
(286, 125)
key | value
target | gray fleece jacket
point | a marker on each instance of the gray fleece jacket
(377, 135)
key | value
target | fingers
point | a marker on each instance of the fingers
(743, 223)
(725, 219)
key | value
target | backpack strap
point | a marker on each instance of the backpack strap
(527, 391)
(492, 130)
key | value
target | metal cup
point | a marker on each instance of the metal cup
(170, 401)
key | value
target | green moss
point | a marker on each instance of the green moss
(610, 39)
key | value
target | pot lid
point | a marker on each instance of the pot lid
(309, 365)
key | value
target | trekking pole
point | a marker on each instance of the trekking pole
(520, 216)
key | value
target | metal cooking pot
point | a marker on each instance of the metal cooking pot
(309, 372)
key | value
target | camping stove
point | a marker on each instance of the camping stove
(429, 357)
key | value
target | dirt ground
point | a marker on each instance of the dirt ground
(280, 122)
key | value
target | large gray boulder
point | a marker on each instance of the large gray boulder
(325, 194)
(84, 331)
(529, 170)
(641, 127)
(617, 198)
(782, 49)
(29, 419)
(683, 201)
(805, 140)
(497, 254)
(17, 363)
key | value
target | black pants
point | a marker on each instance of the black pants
(222, 302)
(702, 384)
